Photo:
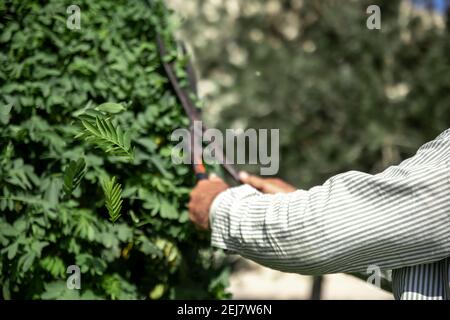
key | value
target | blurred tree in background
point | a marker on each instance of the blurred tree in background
(344, 97)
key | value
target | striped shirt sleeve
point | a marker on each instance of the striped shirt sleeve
(397, 218)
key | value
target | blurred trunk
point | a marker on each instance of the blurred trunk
(316, 291)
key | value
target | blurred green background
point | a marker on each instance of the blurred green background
(344, 97)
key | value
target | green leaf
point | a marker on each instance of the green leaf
(8, 230)
(6, 291)
(157, 292)
(113, 198)
(54, 265)
(37, 247)
(53, 191)
(159, 165)
(27, 260)
(111, 107)
(73, 175)
(5, 113)
(12, 250)
(107, 136)
(168, 210)
(58, 290)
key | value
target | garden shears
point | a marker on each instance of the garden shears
(193, 114)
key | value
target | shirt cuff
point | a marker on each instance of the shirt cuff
(219, 215)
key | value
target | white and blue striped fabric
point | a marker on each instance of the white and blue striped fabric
(397, 220)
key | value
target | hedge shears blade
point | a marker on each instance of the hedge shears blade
(194, 115)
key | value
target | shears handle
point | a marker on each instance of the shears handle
(201, 176)
(200, 172)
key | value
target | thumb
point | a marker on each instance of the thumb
(244, 176)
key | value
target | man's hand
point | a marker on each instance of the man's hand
(202, 197)
(206, 191)
(268, 185)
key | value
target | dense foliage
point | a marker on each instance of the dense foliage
(344, 97)
(87, 183)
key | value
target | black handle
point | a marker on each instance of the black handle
(201, 176)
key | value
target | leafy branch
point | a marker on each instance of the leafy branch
(109, 137)
(113, 197)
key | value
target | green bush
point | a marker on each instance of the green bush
(57, 190)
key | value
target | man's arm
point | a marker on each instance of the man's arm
(397, 218)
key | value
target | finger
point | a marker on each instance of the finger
(243, 176)
(214, 177)
(254, 181)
